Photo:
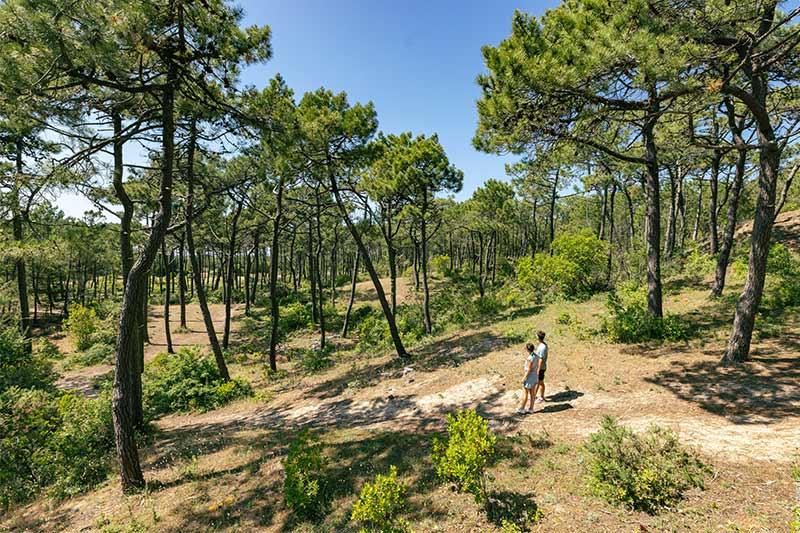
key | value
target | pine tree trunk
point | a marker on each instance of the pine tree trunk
(353, 281)
(653, 218)
(273, 275)
(196, 272)
(182, 280)
(373, 274)
(231, 270)
(166, 263)
(126, 365)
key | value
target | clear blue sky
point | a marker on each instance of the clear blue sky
(417, 61)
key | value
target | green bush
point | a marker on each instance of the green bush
(82, 445)
(467, 452)
(96, 354)
(699, 265)
(589, 254)
(373, 332)
(646, 472)
(629, 320)
(314, 360)
(48, 440)
(187, 381)
(18, 367)
(783, 289)
(294, 316)
(441, 265)
(81, 325)
(576, 268)
(380, 502)
(46, 349)
(304, 487)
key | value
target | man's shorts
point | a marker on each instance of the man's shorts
(541, 374)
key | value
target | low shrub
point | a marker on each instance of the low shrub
(81, 447)
(643, 471)
(46, 349)
(698, 265)
(187, 381)
(374, 333)
(96, 354)
(314, 360)
(81, 325)
(18, 366)
(294, 316)
(59, 442)
(783, 287)
(466, 453)
(380, 502)
(304, 488)
(441, 265)
(629, 320)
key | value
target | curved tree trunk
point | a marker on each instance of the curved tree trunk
(196, 272)
(126, 365)
(373, 274)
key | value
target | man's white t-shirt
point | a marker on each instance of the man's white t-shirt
(541, 353)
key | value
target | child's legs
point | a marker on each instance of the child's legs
(526, 393)
(533, 396)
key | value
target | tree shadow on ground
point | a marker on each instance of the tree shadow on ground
(764, 390)
(255, 485)
(450, 351)
(34, 521)
(514, 507)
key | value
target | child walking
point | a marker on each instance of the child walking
(530, 381)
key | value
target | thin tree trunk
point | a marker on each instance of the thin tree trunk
(230, 272)
(182, 280)
(373, 274)
(426, 295)
(166, 262)
(196, 272)
(352, 299)
(19, 263)
(273, 275)
(713, 232)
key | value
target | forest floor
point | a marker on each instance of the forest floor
(222, 470)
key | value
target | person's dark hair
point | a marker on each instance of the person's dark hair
(540, 335)
(530, 347)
